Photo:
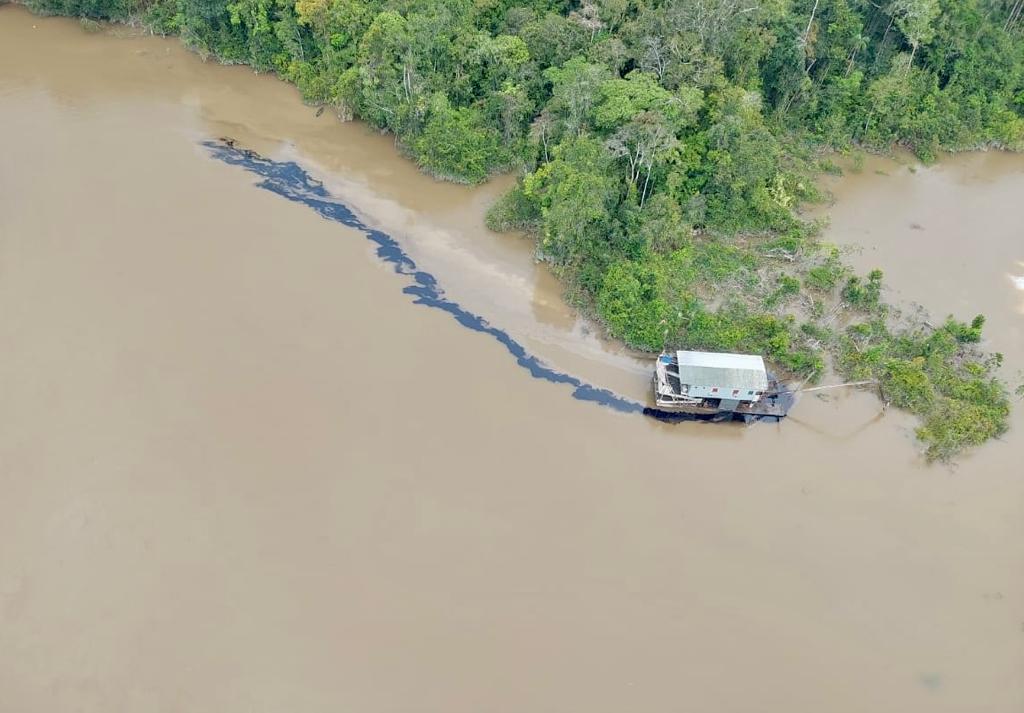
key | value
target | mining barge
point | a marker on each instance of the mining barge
(717, 385)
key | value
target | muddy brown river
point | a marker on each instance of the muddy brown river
(242, 470)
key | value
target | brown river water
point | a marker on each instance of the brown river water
(240, 470)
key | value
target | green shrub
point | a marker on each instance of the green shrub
(864, 295)
(825, 277)
(457, 144)
(631, 306)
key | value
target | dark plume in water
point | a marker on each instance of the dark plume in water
(289, 180)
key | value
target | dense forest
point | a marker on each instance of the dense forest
(665, 147)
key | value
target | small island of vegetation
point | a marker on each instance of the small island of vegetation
(666, 146)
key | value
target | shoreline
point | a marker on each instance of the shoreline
(616, 357)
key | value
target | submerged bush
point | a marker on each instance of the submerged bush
(937, 377)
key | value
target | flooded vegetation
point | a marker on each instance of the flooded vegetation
(244, 470)
(664, 148)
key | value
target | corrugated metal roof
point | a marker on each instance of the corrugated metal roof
(727, 371)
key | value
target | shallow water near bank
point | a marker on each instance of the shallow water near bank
(243, 471)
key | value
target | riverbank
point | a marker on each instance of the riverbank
(751, 278)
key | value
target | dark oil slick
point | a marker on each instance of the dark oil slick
(289, 180)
